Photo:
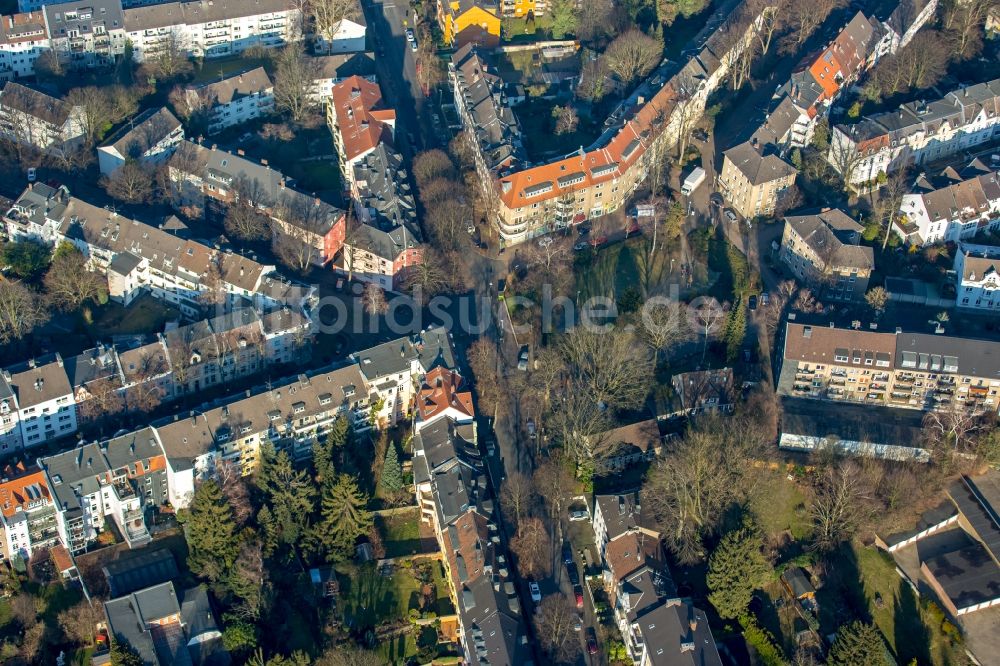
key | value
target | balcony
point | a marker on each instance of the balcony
(133, 528)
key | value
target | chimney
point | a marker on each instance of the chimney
(239, 151)
(263, 162)
(214, 146)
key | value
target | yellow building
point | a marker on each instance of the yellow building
(465, 21)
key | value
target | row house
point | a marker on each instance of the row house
(917, 133)
(953, 207)
(27, 513)
(36, 403)
(122, 480)
(86, 33)
(823, 250)
(393, 367)
(23, 38)
(977, 281)
(211, 179)
(534, 200)
(37, 119)
(358, 121)
(233, 100)
(211, 29)
(386, 242)
(907, 370)
(149, 138)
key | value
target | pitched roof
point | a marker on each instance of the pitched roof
(362, 120)
(39, 381)
(193, 12)
(35, 103)
(833, 236)
(19, 28)
(234, 87)
(819, 344)
(443, 389)
(677, 634)
(143, 132)
(24, 490)
(383, 189)
(758, 167)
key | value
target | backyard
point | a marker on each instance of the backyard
(401, 534)
(535, 116)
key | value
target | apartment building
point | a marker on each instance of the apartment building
(234, 100)
(34, 118)
(906, 19)
(950, 207)
(394, 367)
(329, 70)
(166, 626)
(466, 22)
(359, 122)
(122, 479)
(823, 250)
(386, 242)
(27, 513)
(211, 179)
(908, 370)
(532, 201)
(36, 403)
(349, 36)
(917, 133)
(86, 33)
(753, 178)
(23, 38)
(211, 29)
(149, 138)
(978, 283)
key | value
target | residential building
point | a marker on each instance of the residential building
(531, 201)
(618, 514)
(27, 513)
(823, 250)
(166, 626)
(349, 36)
(332, 69)
(952, 207)
(359, 122)
(234, 100)
(23, 38)
(915, 134)
(39, 401)
(394, 367)
(213, 179)
(150, 566)
(919, 371)
(978, 283)
(622, 447)
(86, 33)
(442, 394)
(472, 21)
(34, 118)
(149, 138)
(754, 178)
(701, 391)
(907, 17)
(123, 479)
(386, 242)
(211, 29)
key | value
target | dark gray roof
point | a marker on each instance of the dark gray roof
(89, 15)
(385, 190)
(235, 86)
(494, 631)
(135, 571)
(928, 519)
(444, 441)
(949, 354)
(386, 243)
(124, 263)
(197, 11)
(343, 65)
(967, 574)
(389, 358)
(435, 349)
(90, 365)
(834, 237)
(677, 634)
(143, 132)
(975, 498)
(758, 167)
(35, 102)
(129, 616)
(621, 512)
(39, 380)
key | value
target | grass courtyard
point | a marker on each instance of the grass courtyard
(401, 534)
(368, 598)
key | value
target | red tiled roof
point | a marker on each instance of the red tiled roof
(14, 494)
(441, 389)
(361, 118)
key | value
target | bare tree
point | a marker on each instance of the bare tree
(964, 23)
(576, 421)
(96, 114)
(633, 55)
(293, 82)
(234, 488)
(490, 383)
(594, 73)
(836, 507)
(328, 14)
(708, 317)
(167, 59)
(953, 430)
(688, 108)
(532, 546)
(663, 324)
(430, 165)
(554, 480)
(437, 273)
(245, 222)
(566, 119)
(430, 70)
(79, 622)
(131, 183)
(845, 157)
(877, 298)
(517, 495)
(447, 213)
(554, 622)
(890, 202)
(69, 283)
(804, 18)
(609, 366)
(21, 310)
(374, 297)
(104, 399)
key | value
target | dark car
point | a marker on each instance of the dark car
(578, 593)
(591, 641)
(583, 229)
(753, 301)
(574, 575)
(567, 552)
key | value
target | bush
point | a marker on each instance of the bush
(762, 642)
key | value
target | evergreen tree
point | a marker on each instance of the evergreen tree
(735, 570)
(326, 450)
(392, 472)
(123, 654)
(343, 518)
(290, 496)
(268, 530)
(858, 643)
(211, 533)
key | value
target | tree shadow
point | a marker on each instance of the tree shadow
(842, 597)
(912, 637)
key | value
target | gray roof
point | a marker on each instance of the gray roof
(39, 380)
(343, 65)
(948, 354)
(386, 192)
(676, 633)
(386, 243)
(135, 571)
(124, 263)
(389, 358)
(197, 11)
(143, 132)
(234, 87)
(36, 103)
(90, 365)
(834, 237)
(965, 571)
(621, 513)
(89, 14)
(435, 349)
(494, 631)
(756, 166)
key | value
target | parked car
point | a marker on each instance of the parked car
(32, 175)
(633, 228)
(578, 514)
(581, 246)
(574, 574)
(567, 552)
(591, 641)
(536, 592)
(599, 241)
(532, 429)
(409, 35)
(414, 46)
(583, 229)
(470, 227)
(700, 135)
(752, 301)
(730, 215)
(577, 623)
(765, 298)
(522, 358)
(578, 593)
(716, 199)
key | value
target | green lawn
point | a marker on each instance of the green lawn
(613, 269)
(145, 314)
(779, 506)
(370, 599)
(400, 533)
